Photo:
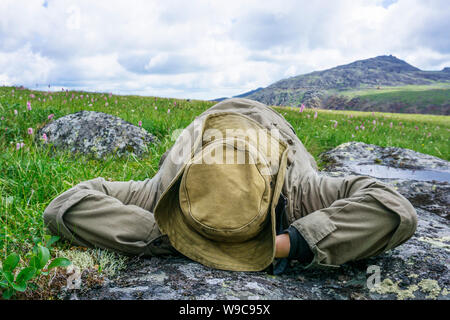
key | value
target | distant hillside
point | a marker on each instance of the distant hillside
(364, 85)
(242, 95)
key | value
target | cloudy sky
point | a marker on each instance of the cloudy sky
(208, 49)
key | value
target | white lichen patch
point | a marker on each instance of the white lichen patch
(431, 287)
(255, 286)
(81, 259)
(437, 242)
(427, 286)
(105, 262)
(110, 263)
(214, 281)
(388, 286)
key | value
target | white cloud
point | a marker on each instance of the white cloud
(207, 49)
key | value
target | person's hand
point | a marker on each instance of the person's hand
(282, 245)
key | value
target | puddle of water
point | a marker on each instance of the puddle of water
(379, 171)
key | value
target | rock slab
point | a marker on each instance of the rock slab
(418, 269)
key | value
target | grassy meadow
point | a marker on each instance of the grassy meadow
(437, 94)
(32, 175)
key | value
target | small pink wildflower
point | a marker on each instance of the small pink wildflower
(30, 130)
(50, 116)
(28, 105)
(32, 96)
(110, 95)
(302, 107)
(106, 104)
(315, 115)
(416, 127)
(390, 125)
(44, 137)
(374, 122)
(16, 112)
(356, 128)
(140, 123)
(20, 145)
(335, 124)
(168, 110)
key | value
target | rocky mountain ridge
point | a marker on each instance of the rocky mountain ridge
(331, 88)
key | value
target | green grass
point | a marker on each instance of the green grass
(32, 176)
(436, 94)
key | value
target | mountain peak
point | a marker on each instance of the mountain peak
(386, 63)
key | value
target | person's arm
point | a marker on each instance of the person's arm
(347, 219)
(292, 245)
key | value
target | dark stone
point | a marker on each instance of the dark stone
(418, 269)
(97, 134)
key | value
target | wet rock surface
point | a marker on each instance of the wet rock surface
(97, 134)
(418, 269)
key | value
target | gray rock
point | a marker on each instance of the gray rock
(97, 134)
(418, 269)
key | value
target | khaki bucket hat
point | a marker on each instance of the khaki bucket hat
(219, 210)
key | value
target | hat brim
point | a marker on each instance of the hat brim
(255, 254)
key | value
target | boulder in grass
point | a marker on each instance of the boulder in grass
(97, 134)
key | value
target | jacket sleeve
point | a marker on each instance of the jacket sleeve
(110, 215)
(352, 218)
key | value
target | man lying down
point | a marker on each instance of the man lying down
(237, 191)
